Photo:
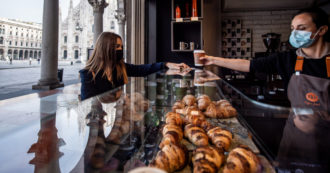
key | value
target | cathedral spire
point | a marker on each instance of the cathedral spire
(70, 9)
(71, 4)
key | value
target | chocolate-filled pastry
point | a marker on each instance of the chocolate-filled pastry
(242, 160)
(177, 105)
(189, 100)
(220, 138)
(211, 111)
(169, 128)
(203, 102)
(206, 125)
(170, 158)
(196, 135)
(207, 159)
(174, 118)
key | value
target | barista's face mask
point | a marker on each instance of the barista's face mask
(119, 54)
(302, 39)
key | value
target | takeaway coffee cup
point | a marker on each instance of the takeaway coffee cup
(197, 55)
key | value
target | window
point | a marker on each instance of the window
(77, 38)
(27, 44)
(4, 31)
(1, 40)
(11, 33)
(112, 25)
(16, 33)
(76, 54)
(36, 44)
(65, 54)
(15, 43)
(31, 44)
(21, 34)
(21, 43)
(9, 42)
(65, 39)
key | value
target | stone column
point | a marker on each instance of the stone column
(49, 55)
(98, 10)
(121, 18)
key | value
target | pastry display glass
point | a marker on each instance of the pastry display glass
(194, 119)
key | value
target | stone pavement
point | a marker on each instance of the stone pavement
(16, 79)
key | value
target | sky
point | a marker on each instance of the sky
(29, 10)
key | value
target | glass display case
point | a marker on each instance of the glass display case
(121, 130)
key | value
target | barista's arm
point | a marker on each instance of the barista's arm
(234, 64)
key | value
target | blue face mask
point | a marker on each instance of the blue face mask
(301, 39)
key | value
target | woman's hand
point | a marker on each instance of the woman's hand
(208, 60)
(177, 66)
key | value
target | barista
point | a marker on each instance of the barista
(306, 73)
(309, 35)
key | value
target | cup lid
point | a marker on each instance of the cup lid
(146, 169)
(199, 51)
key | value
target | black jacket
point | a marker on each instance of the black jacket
(90, 87)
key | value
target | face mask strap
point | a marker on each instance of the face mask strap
(317, 33)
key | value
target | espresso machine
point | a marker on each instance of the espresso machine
(272, 42)
(274, 89)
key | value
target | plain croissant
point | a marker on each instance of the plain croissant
(189, 100)
(203, 102)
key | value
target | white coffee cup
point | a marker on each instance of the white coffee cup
(197, 55)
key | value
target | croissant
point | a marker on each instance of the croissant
(177, 105)
(207, 159)
(196, 135)
(203, 102)
(220, 138)
(223, 102)
(188, 110)
(174, 118)
(195, 119)
(189, 100)
(170, 158)
(172, 134)
(206, 125)
(211, 111)
(242, 159)
(226, 111)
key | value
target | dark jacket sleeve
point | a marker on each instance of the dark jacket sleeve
(143, 70)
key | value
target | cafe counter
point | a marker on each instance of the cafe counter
(125, 128)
